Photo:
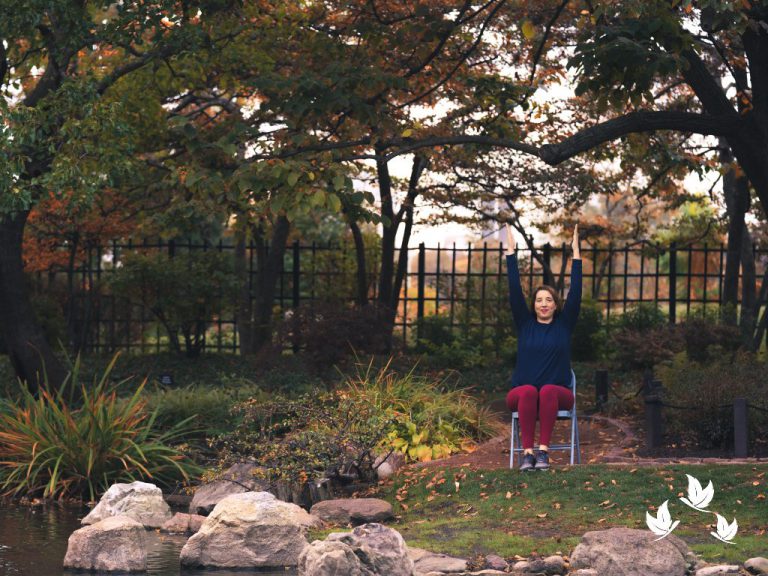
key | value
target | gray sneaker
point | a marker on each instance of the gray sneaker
(542, 460)
(529, 462)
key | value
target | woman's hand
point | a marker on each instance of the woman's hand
(575, 244)
(510, 241)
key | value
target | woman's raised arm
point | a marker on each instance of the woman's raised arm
(573, 300)
(520, 311)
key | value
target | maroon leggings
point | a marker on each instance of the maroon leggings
(527, 401)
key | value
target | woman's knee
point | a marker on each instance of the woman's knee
(518, 393)
(563, 396)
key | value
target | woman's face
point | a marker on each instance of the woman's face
(544, 306)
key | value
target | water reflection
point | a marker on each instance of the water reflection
(33, 541)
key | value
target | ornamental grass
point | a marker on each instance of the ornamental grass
(56, 447)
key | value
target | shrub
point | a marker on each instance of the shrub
(430, 418)
(710, 389)
(208, 408)
(643, 317)
(181, 291)
(323, 435)
(459, 348)
(642, 338)
(705, 337)
(52, 449)
(328, 332)
(588, 335)
(336, 434)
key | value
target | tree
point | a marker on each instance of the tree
(68, 123)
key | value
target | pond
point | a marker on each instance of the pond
(33, 541)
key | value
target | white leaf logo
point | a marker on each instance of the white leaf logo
(698, 497)
(662, 525)
(725, 532)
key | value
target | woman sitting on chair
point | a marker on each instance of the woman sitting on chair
(542, 378)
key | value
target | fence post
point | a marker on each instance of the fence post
(547, 257)
(420, 289)
(673, 283)
(601, 388)
(740, 428)
(654, 421)
(296, 274)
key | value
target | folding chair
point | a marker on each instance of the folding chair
(573, 446)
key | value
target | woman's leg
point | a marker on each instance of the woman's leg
(524, 399)
(551, 399)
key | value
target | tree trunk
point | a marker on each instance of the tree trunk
(270, 266)
(244, 311)
(736, 193)
(30, 353)
(405, 216)
(361, 276)
(389, 231)
(748, 289)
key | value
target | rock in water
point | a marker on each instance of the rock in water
(117, 543)
(249, 530)
(380, 551)
(139, 500)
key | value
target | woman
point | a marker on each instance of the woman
(542, 378)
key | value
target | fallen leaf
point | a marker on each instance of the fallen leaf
(543, 515)
(508, 495)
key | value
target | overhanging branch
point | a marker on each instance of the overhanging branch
(636, 122)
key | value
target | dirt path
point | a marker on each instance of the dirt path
(603, 440)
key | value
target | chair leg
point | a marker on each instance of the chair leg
(578, 444)
(574, 431)
(512, 442)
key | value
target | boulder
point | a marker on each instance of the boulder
(183, 523)
(139, 500)
(718, 570)
(495, 562)
(425, 561)
(117, 543)
(249, 530)
(238, 479)
(758, 565)
(353, 511)
(387, 466)
(381, 551)
(628, 552)
(551, 565)
(331, 558)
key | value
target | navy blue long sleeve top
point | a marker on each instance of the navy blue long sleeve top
(543, 350)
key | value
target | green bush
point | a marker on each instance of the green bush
(50, 448)
(430, 417)
(710, 389)
(207, 408)
(706, 338)
(643, 317)
(181, 291)
(588, 335)
(641, 338)
(338, 433)
(460, 348)
(321, 435)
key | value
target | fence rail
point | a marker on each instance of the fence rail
(465, 285)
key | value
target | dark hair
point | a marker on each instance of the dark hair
(552, 292)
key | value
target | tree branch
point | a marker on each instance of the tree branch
(634, 122)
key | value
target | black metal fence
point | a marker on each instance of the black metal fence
(465, 286)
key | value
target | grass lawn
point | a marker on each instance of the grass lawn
(465, 512)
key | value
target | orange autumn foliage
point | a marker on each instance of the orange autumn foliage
(60, 229)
